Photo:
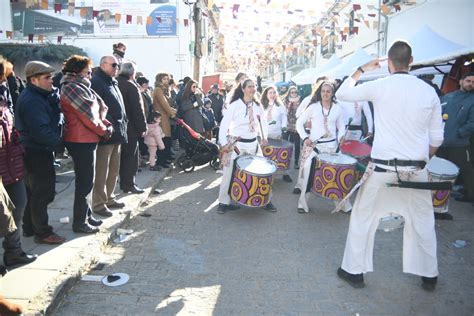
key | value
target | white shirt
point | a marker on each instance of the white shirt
(407, 115)
(314, 113)
(349, 111)
(236, 122)
(280, 117)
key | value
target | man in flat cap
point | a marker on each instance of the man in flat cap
(37, 119)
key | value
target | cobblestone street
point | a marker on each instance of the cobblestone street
(186, 259)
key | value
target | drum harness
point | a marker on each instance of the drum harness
(371, 167)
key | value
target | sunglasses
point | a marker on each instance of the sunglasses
(114, 65)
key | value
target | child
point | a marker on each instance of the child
(209, 119)
(154, 138)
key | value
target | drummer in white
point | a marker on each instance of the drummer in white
(409, 131)
(327, 129)
(353, 118)
(240, 125)
(275, 113)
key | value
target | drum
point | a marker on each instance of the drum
(252, 181)
(391, 222)
(334, 175)
(280, 152)
(441, 170)
(358, 150)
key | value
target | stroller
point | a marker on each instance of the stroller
(198, 150)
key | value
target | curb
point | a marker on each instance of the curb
(56, 289)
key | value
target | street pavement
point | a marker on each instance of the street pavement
(185, 259)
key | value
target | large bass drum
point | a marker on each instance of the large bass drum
(280, 152)
(252, 181)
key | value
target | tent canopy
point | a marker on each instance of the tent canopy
(309, 75)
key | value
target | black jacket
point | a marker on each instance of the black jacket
(37, 118)
(133, 107)
(107, 88)
(217, 104)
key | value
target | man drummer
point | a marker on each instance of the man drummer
(243, 121)
(353, 117)
(409, 131)
(327, 129)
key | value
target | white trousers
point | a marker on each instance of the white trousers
(303, 180)
(376, 200)
(245, 148)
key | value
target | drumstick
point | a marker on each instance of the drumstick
(345, 133)
(261, 128)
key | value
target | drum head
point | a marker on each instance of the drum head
(336, 159)
(391, 222)
(256, 165)
(442, 167)
(355, 148)
(279, 143)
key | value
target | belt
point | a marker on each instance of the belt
(325, 141)
(247, 140)
(354, 128)
(400, 163)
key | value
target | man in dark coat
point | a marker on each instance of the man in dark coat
(136, 127)
(217, 103)
(108, 152)
(37, 119)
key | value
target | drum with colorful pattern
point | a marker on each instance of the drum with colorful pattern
(252, 182)
(441, 170)
(334, 175)
(280, 152)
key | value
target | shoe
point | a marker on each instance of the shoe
(133, 189)
(355, 280)
(270, 208)
(463, 198)
(94, 221)
(297, 167)
(232, 207)
(296, 191)
(429, 284)
(302, 211)
(115, 205)
(155, 168)
(21, 258)
(222, 208)
(104, 212)
(443, 216)
(52, 239)
(27, 233)
(85, 229)
(287, 178)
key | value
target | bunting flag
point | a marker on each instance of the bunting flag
(60, 39)
(356, 7)
(95, 14)
(372, 15)
(344, 37)
(186, 22)
(44, 4)
(397, 7)
(367, 24)
(355, 30)
(57, 7)
(9, 34)
(158, 18)
(289, 12)
(30, 38)
(128, 19)
(118, 17)
(375, 25)
(371, 7)
(83, 12)
(385, 9)
(149, 20)
(140, 20)
(70, 9)
(40, 38)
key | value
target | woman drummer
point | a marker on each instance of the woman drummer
(243, 121)
(327, 130)
(275, 113)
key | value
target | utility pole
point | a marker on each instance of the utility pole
(197, 18)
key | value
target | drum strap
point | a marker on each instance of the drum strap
(311, 175)
(354, 128)
(234, 165)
